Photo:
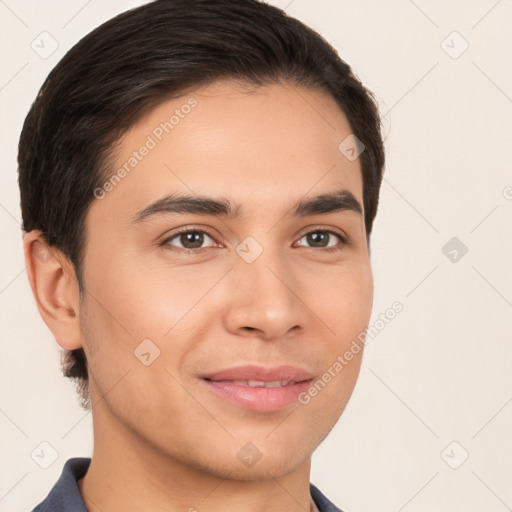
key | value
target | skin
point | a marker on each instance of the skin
(163, 440)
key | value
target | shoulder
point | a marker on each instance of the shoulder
(322, 503)
(65, 495)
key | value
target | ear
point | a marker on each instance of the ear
(55, 288)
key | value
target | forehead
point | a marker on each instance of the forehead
(257, 145)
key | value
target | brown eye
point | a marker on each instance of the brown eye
(191, 239)
(323, 239)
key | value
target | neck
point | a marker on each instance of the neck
(128, 474)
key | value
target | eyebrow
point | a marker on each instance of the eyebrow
(332, 202)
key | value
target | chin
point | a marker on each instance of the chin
(251, 464)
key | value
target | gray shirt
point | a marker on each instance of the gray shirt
(65, 495)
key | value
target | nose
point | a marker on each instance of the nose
(263, 298)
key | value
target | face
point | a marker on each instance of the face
(168, 318)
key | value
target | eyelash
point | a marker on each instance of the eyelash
(339, 247)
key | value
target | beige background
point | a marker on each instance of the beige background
(440, 371)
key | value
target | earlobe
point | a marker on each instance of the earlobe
(55, 288)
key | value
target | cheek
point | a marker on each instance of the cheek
(342, 300)
(135, 301)
(138, 299)
(343, 303)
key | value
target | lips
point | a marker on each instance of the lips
(260, 373)
(258, 388)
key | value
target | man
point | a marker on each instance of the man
(199, 181)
